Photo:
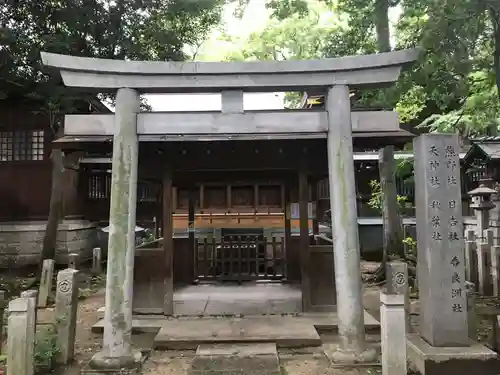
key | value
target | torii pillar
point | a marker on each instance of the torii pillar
(350, 310)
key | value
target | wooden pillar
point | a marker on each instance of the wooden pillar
(228, 197)
(314, 200)
(202, 198)
(192, 236)
(159, 213)
(168, 241)
(256, 197)
(288, 226)
(70, 186)
(304, 239)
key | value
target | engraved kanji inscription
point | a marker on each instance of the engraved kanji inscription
(435, 204)
(433, 165)
(455, 261)
(451, 164)
(453, 236)
(453, 221)
(452, 204)
(436, 236)
(434, 181)
(449, 152)
(452, 180)
(433, 150)
(455, 293)
(455, 278)
(456, 307)
(436, 221)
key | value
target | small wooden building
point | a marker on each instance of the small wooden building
(26, 139)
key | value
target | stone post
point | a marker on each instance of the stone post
(495, 215)
(65, 313)
(397, 283)
(488, 236)
(116, 350)
(483, 269)
(96, 261)
(32, 296)
(2, 311)
(73, 260)
(21, 337)
(393, 333)
(441, 269)
(495, 269)
(45, 282)
(470, 292)
(471, 259)
(352, 345)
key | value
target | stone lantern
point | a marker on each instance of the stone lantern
(482, 204)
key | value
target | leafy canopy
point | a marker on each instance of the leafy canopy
(124, 29)
(455, 85)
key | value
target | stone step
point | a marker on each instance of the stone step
(285, 332)
(248, 359)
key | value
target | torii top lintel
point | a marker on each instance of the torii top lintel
(103, 75)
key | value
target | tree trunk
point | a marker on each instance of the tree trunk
(382, 25)
(56, 207)
(495, 20)
(393, 230)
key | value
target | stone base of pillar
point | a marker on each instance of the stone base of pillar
(342, 357)
(100, 364)
(431, 360)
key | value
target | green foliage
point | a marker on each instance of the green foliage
(126, 29)
(46, 349)
(377, 197)
(479, 110)
(454, 86)
(283, 9)
(411, 246)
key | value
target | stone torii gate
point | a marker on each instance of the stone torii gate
(336, 123)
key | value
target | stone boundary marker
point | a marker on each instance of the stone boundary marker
(31, 295)
(21, 337)
(46, 282)
(2, 311)
(470, 292)
(397, 277)
(65, 313)
(393, 323)
(97, 261)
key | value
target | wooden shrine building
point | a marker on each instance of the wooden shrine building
(286, 151)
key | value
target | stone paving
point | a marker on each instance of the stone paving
(246, 299)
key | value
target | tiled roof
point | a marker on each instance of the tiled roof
(485, 139)
(490, 149)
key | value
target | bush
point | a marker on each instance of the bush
(46, 349)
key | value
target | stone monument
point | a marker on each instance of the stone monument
(65, 312)
(443, 344)
(45, 282)
(21, 337)
(393, 324)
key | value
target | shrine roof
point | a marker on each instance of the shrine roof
(489, 149)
